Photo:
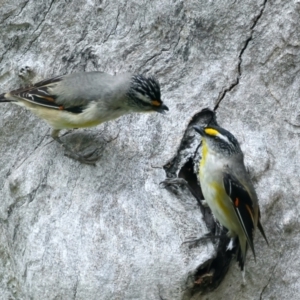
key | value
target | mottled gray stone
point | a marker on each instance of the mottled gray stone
(73, 231)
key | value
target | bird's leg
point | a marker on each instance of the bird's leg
(169, 182)
(207, 236)
(54, 135)
(173, 181)
(87, 159)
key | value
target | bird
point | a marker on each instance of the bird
(87, 99)
(227, 188)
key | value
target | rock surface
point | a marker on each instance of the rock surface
(73, 231)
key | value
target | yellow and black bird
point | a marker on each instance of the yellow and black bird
(227, 187)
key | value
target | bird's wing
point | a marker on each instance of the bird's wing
(261, 229)
(40, 94)
(72, 92)
(243, 206)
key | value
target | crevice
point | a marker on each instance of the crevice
(114, 29)
(240, 58)
(269, 280)
(19, 201)
(32, 194)
(154, 56)
(37, 28)
(179, 36)
(32, 152)
(9, 47)
(181, 174)
(5, 18)
(75, 288)
(22, 8)
(51, 3)
(10, 14)
(128, 32)
(149, 59)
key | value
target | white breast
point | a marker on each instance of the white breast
(62, 119)
(211, 180)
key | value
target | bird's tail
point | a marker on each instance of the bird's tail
(242, 251)
(3, 99)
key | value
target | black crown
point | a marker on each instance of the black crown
(147, 86)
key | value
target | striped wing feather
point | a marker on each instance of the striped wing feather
(243, 206)
(39, 93)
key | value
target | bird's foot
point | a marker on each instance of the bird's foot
(173, 181)
(206, 237)
(89, 158)
(193, 241)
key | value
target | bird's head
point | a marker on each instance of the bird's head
(144, 95)
(219, 140)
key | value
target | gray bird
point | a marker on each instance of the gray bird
(87, 99)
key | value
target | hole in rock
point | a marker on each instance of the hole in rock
(184, 165)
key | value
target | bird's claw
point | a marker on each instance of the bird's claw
(194, 240)
(207, 236)
(173, 181)
(88, 158)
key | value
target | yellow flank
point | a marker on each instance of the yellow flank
(220, 198)
(211, 131)
(204, 153)
(217, 197)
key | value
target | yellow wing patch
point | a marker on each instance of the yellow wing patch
(211, 131)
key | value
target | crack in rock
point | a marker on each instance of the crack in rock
(240, 59)
(37, 28)
(269, 280)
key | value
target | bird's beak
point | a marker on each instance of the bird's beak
(161, 109)
(199, 129)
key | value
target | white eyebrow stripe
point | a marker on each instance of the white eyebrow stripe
(143, 98)
(224, 138)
